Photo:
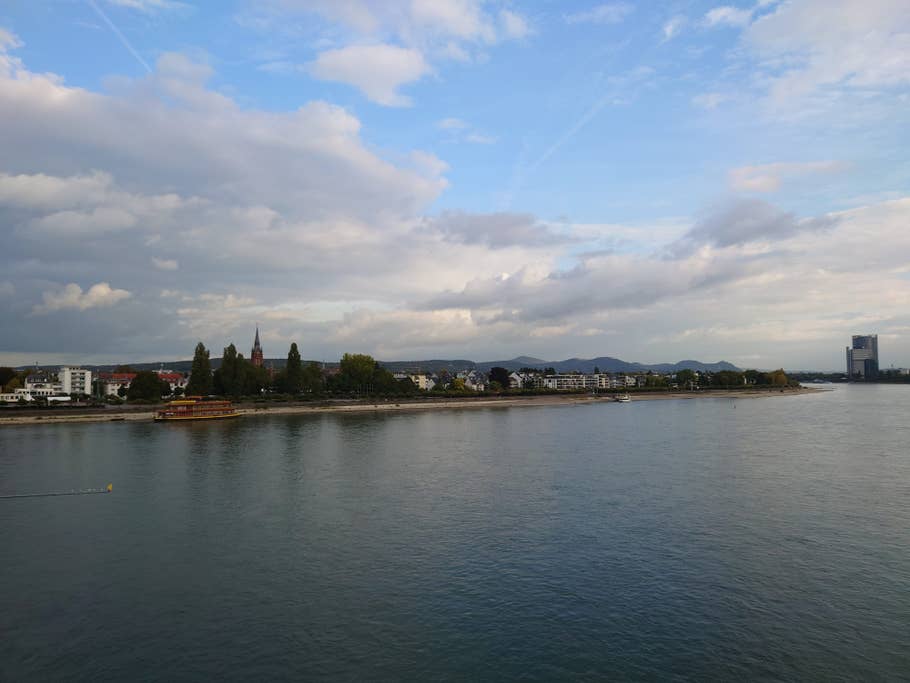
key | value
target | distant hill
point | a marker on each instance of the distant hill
(586, 365)
(604, 363)
(607, 364)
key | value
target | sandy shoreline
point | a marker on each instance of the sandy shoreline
(391, 405)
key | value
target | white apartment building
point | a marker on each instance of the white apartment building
(37, 386)
(586, 382)
(75, 380)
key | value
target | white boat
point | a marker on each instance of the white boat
(622, 398)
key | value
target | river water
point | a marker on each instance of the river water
(685, 539)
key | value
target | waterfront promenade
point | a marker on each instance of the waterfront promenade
(146, 413)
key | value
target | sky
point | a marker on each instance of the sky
(417, 179)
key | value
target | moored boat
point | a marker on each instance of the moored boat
(622, 398)
(195, 408)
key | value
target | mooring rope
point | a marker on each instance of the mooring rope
(84, 492)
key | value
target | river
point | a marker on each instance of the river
(683, 539)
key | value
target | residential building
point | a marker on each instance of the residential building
(75, 380)
(862, 357)
(41, 386)
(176, 380)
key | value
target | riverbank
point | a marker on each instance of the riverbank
(397, 405)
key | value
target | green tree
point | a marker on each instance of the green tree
(755, 377)
(312, 378)
(686, 378)
(14, 383)
(457, 384)
(6, 375)
(652, 380)
(357, 371)
(146, 385)
(293, 371)
(778, 378)
(200, 383)
(230, 378)
(255, 379)
(407, 387)
(727, 378)
(500, 375)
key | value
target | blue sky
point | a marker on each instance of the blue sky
(457, 177)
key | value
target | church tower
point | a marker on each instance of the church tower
(256, 353)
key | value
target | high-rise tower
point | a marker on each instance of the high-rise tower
(256, 353)
(862, 357)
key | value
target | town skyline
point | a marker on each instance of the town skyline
(455, 179)
(258, 358)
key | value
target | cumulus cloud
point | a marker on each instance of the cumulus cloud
(452, 124)
(710, 100)
(727, 15)
(816, 44)
(461, 131)
(742, 221)
(8, 40)
(164, 264)
(513, 24)
(81, 223)
(148, 6)
(769, 177)
(71, 296)
(419, 23)
(376, 70)
(673, 27)
(295, 219)
(608, 13)
(386, 45)
(495, 230)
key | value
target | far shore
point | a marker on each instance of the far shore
(146, 413)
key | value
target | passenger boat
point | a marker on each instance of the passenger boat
(622, 398)
(195, 408)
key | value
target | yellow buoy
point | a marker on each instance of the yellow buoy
(110, 487)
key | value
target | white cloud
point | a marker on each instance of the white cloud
(768, 177)
(710, 100)
(672, 27)
(461, 131)
(728, 16)
(275, 208)
(148, 6)
(376, 70)
(408, 38)
(845, 45)
(608, 13)
(8, 40)
(83, 223)
(418, 23)
(164, 264)
(72, 297)
(480, 139)
(513, 24)
(452, 124)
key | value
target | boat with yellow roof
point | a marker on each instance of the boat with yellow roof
(196, 408)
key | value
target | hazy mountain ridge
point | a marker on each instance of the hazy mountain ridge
(585, 365)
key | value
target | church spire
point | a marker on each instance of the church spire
(256, 353)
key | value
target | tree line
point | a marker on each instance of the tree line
(237, 376)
